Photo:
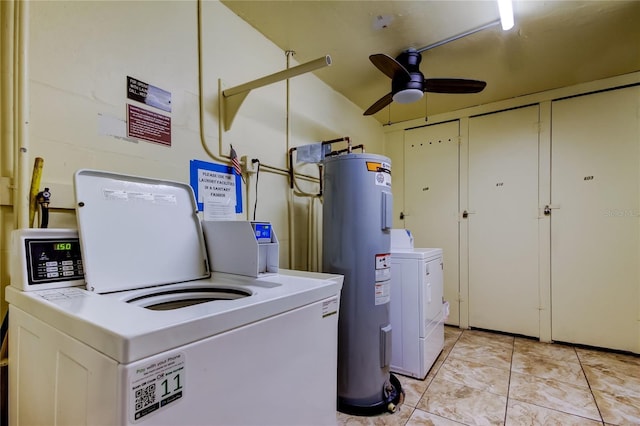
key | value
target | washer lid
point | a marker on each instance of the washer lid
(137, 232)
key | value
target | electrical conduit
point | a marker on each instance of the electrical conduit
(7, 138)
(290, 198)
(21, 118)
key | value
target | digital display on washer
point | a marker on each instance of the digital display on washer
(53, 260)
(62, 246)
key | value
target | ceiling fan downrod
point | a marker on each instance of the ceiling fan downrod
(458, 36)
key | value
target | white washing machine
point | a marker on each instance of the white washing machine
(150, 336)
(417, 309)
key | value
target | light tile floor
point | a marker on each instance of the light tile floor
(484, 378)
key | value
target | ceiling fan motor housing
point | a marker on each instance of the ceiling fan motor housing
(410, 59)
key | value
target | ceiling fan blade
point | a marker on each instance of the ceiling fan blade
(453, 85)
(388, 65)
(379, 104)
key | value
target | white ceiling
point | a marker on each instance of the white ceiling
(553, 44)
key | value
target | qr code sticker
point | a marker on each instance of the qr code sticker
(145, 397)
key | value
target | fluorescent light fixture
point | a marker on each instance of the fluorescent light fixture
(506, 14)
(407, 96)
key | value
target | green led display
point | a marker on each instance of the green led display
(62, 246)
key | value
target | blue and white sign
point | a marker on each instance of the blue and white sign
(217, 184)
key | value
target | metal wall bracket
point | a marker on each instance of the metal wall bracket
(6, 192)
(231, 99)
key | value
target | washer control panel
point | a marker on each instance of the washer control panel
(46, 258)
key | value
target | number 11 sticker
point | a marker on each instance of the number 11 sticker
(156, 384)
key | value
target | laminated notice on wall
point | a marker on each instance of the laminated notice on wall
(148, 125)
(216, 208)
(216, 185)
(312, 153)
(148, 94)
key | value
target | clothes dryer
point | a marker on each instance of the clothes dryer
(417, 314)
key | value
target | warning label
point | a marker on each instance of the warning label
(383, 179)
(330, 307)
(148, 125)
(383, 261)
(382, 173)
(383, 274)
(374, 166)
(383, 292)
(383, 279)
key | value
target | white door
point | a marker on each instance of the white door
(431, 198)
(503, 221)
(595, 248)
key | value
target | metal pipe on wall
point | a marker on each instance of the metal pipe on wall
(203, 139)
(310, 236)
(219, 156)
(291, 199)
(7, 144)
(21, 118)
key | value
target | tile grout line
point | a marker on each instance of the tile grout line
(434, 376)
(565, 412)
(506, 408)
(589, 385)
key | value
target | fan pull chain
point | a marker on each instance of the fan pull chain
(426, 112)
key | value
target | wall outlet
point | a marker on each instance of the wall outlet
(248, 166)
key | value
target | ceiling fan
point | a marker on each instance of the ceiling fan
(407, 81)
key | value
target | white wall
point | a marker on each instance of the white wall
(79, 56)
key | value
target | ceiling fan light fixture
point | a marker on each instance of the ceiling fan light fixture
(505, 7)
(407, 96)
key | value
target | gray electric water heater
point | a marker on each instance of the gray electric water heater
(357, 222)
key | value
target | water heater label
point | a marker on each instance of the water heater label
(382, 172)
(383, 292)
(383, 274)
(375, 166)
(383, 179)
(383, 261)
(383, 278)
